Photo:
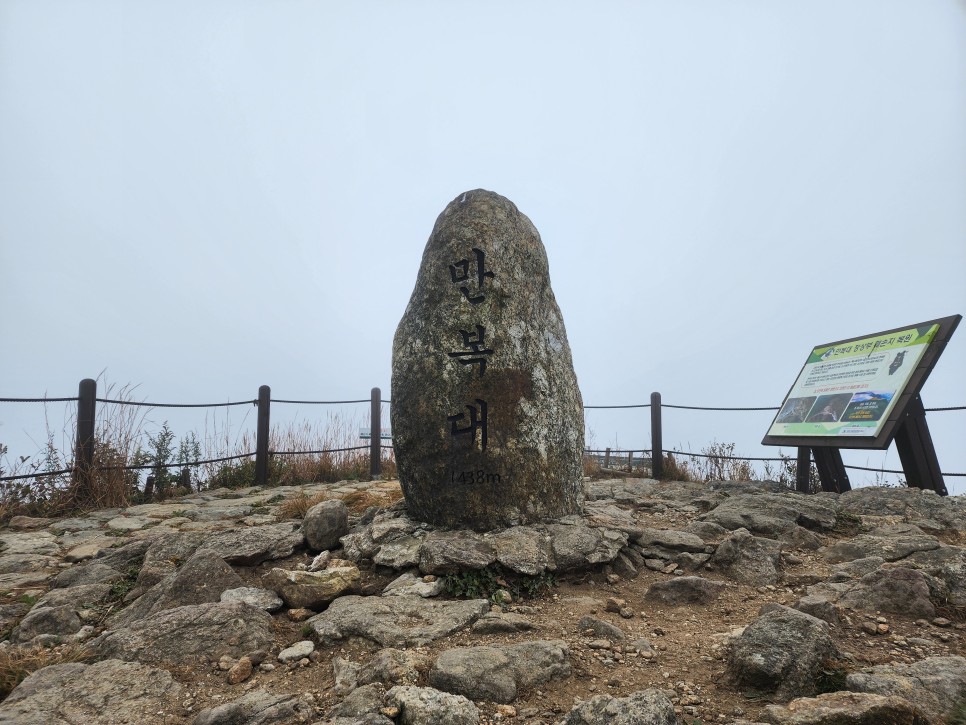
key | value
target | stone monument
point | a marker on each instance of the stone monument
(487, 418)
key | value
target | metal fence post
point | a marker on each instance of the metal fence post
(375, 440)
(261, 435)
(84, 455)
(657, 444)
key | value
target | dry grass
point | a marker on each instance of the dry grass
(17, 663)
(118, 431)
(297, 506)
(357, 502)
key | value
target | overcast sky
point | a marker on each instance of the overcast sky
(204, 197)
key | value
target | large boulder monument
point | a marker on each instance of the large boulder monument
(487, 418)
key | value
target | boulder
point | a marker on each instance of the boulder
(324, 524)
(419, 705)
(748, 559)
(311, 589)
(496, 673)
(782, 652)
(487, 417)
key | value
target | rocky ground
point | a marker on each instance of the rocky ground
(671, 603)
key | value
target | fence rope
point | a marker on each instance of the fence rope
(727, 458)
(175, 405)
(39, 400)
(698, 407)
(307, 453)
(594, 407)
(323, 402)
(35, 475)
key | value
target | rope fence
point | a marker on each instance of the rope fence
(87, 400)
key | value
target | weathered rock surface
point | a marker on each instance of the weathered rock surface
(324, 524)
(647, 707)
(185, 633)
(685, 590)
(311, 589)
(781, 652)
(750, 559)
(893, 599)
(495, 673)
(403, 621)
(847, 708)
(259, 708)
(937, 685)
(418, 705)
(487, 417)
(126, 693)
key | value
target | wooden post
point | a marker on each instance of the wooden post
(657, 444)
(917, 452)
(607, 458)
(831, 470)
(803, 469)
(375, 439)
(261, 435)
(84, 453)
(630, 461)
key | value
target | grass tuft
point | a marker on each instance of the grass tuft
(17, 663)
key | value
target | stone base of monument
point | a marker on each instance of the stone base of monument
(570, 543)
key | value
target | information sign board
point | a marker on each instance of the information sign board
(852, 393)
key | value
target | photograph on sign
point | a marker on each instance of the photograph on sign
(848, 389)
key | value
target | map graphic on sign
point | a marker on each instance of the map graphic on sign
(848, 389)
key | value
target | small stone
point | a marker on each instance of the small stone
(613, 578)
(266, 667)
(506, 711)
(627, 613)
(240, 672)
(321, 561)
(599, 644)
(297, 651)
(870, 628)
(941, 622)
(882, 628)
(391, 712)
(226, 662)
(614, 604)
(300, 614)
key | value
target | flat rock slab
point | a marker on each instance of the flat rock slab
(685, 590)
(935, 684)
(111, 691)
(404, 621)
(496, 673)
(259, 708)
(130, 523)
(647, 707)
(851, 708)
(29, 542)
(178, 635)
(249, 547)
